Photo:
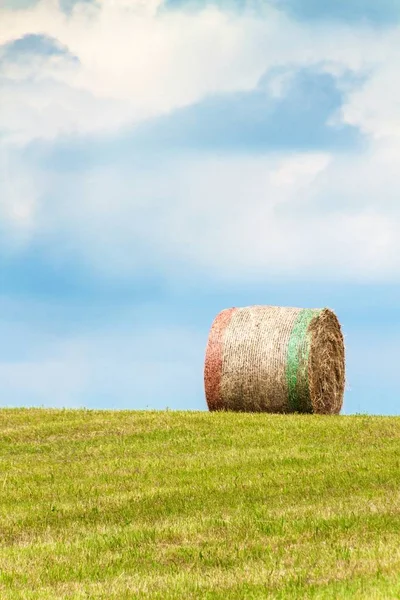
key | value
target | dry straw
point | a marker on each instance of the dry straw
(275, 359)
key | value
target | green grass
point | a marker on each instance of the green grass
(166, 505)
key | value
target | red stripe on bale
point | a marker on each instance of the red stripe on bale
(213, 361)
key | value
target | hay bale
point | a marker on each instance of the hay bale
(274, 359)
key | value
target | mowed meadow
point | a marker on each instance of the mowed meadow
(98, 504)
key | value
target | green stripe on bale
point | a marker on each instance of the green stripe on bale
(297, 362)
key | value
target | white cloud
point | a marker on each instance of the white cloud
(375, 107)
(137, 60)
(236, 217)
(134, 62)
(20, 194)
(233, 217)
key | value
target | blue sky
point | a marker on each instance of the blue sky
(161, 161)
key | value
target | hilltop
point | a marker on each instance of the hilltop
(119, 505)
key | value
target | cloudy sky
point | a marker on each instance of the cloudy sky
(163, 159)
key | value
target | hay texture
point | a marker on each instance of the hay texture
(275, 359)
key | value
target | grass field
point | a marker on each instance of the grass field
(165, 505)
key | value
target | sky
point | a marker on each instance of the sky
(161, 160)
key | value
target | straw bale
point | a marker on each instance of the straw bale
(275, 359)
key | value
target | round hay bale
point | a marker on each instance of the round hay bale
(275, 359)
